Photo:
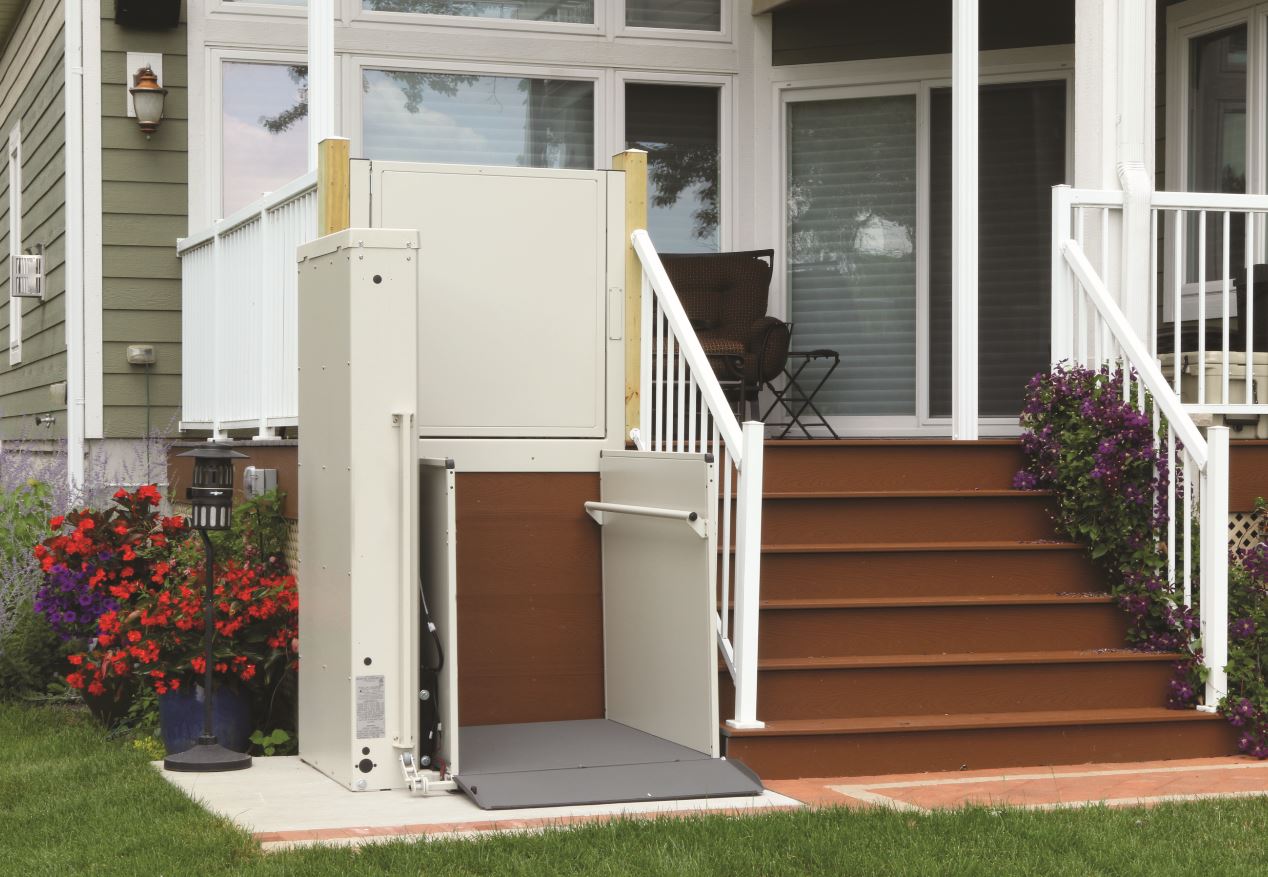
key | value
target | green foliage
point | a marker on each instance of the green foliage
(276, 742)
(24, 514)
(75, 803)
(31, 655)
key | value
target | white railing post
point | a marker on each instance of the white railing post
(1214, 561)
(267, 335)
(964, 218)
(1062, 285)
(645, 365)
(748, 582)
(213, 329)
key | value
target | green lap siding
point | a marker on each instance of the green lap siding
(143, 200)
(32, 97)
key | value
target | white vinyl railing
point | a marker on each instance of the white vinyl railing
(1090, 328)
(683, 408)
(240, 328)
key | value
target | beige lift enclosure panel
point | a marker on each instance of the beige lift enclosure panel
(358, 465)
(659, 609)
(521, 309)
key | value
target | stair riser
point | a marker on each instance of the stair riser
(1017, 518)
(802, 633)
(906, 691)
(927, 574)
(799, 468)
(874, 754)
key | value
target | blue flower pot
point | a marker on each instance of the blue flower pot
(181, 719)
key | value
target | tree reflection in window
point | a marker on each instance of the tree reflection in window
(570, 11)
(678, 127)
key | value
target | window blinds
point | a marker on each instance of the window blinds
(851, 248)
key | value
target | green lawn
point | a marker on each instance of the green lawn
(72, 802)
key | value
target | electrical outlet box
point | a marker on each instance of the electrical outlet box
(141, 354)
(257, 482)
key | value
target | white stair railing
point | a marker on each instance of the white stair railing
(1197, 466)
(239, 291)
(682, 408)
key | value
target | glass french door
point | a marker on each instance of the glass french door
(868, 238)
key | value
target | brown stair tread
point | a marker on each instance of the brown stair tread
(970, 721)
(1074, 656)
(935, 602)
(992, 493)
(879, 547)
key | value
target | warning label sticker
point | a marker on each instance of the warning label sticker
(371, 708)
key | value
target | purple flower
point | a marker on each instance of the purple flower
(1025, 480)
(1242, 628)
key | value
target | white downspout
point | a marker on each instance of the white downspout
(75, 255)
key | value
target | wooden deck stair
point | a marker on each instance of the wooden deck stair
(918, 614)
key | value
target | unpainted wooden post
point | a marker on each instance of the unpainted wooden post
(333, 155)
(634, 163)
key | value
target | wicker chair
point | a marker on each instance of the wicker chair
(725, 297)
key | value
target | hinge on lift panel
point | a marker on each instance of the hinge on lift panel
(423, 782)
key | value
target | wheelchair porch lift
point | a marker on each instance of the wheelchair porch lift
(448, 264)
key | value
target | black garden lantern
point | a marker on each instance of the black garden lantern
(211, 499)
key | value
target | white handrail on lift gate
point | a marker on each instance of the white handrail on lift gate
(597, 510)
(682, 408)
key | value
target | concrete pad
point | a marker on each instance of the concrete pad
(284, 802)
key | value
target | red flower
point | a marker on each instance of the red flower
(56, 523)
(96, 688)
(120, 494)
(75, 680)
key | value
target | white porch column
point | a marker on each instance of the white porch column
(1114, 137)
(321, 76)
(964, 226)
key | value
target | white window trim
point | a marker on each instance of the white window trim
(916, 76)
(256, 9)
(213, 160)
(15, 239)
(727, 134)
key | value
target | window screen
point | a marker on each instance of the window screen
(852, 248)
(678, 126)
(1022, 155)
(468, 119)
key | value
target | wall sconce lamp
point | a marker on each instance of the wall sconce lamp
(147, 100)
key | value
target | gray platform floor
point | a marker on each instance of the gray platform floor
(552, 764)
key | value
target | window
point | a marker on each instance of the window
(1022, 155)
(678, 125)
(852, 247)
(570, 11)
(264, 129)
(15, 241)
(675, 14)
(868, 242)
(1216, 140)
(473, 119)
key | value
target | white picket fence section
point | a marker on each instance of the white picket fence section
(240, 320)
(1180, 351)
(684, 409)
